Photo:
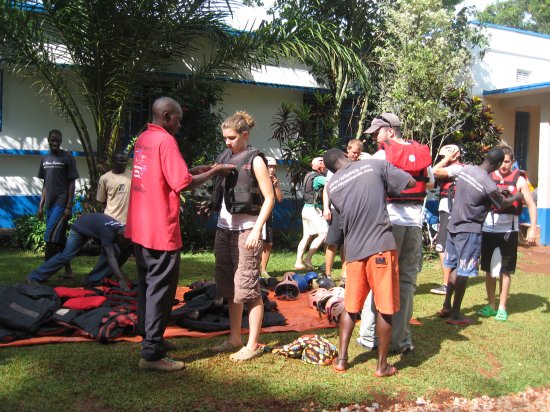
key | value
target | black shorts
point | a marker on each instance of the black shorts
(335, 235)
(508, 244)
(441, 236)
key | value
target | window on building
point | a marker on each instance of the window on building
(521, 139)
(522, 76)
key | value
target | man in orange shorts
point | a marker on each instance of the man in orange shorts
(358, 191)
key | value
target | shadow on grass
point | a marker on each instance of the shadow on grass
(428, 340)
(520, 303)
(424, 289)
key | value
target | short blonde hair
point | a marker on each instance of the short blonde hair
(240, 121)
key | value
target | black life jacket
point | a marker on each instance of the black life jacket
(509, 182)
(312, 196)
(240, 190)
(414, 159)
(27, 307)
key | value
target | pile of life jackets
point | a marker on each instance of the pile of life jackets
(102, 314)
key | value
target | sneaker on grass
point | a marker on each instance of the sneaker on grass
(440, 290)
(165, 364)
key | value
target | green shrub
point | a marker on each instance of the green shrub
(29, 233)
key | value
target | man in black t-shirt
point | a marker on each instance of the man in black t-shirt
(58, 170)
(108, 232)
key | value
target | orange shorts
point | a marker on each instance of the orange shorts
(379, 273)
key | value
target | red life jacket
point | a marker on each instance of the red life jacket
(509, 182)
(447, 185)
(414, 159)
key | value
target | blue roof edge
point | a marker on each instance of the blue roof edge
(516, 89)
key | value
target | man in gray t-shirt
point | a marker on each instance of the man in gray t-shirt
(475, 192)
(358, 192)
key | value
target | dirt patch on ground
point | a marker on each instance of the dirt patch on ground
(531, 400)
(534, 259)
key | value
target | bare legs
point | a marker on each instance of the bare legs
(266, 253)
(383, 330)
(456, 285)
(491, 286)
(315, 244)
(255, 317)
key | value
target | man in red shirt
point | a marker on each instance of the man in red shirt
(159, 174)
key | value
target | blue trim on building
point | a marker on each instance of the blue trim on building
(543, 220)
(516, 89)
(512, 29)
(16, 152)
(12, 207)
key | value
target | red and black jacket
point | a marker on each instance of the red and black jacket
(413, 158)
(509, 182)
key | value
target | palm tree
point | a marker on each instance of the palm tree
(91, 57)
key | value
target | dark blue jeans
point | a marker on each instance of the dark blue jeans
(75, 242)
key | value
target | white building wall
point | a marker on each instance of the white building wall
(508, 51)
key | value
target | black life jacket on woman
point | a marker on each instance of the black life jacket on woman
(312, 196)
(240, 190)
(509, 182)
(413, 158)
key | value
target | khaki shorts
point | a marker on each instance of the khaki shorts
(237, 269)
(313, 221)
(379, 273)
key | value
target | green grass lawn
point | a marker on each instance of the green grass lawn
(488, 357)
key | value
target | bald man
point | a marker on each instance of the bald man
(159, 174)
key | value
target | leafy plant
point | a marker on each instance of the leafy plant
(470, 123)
(303, 133)
(29, 233)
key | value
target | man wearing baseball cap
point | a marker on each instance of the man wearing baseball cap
(315, 226)
(405, 213)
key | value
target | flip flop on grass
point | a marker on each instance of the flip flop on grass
(501, 315)
(487, 311)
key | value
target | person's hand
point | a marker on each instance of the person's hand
(40, 214)
(67, 213)
(518, 197)
(223, 169)
(327, 215)
(253, 240)
(531, 235)
(123, 282)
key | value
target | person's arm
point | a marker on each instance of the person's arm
(208, 172)
(277, 189)
(439, 168)
(266, 187)
(101, 195)
(532, 209)
(69, 209)
(42, 202)
(326, 205)
(109, 252)
(431, 179)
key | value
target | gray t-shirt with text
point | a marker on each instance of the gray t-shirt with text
(358, 192)
(475, 192)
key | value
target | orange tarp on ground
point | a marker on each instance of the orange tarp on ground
(299, 317)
